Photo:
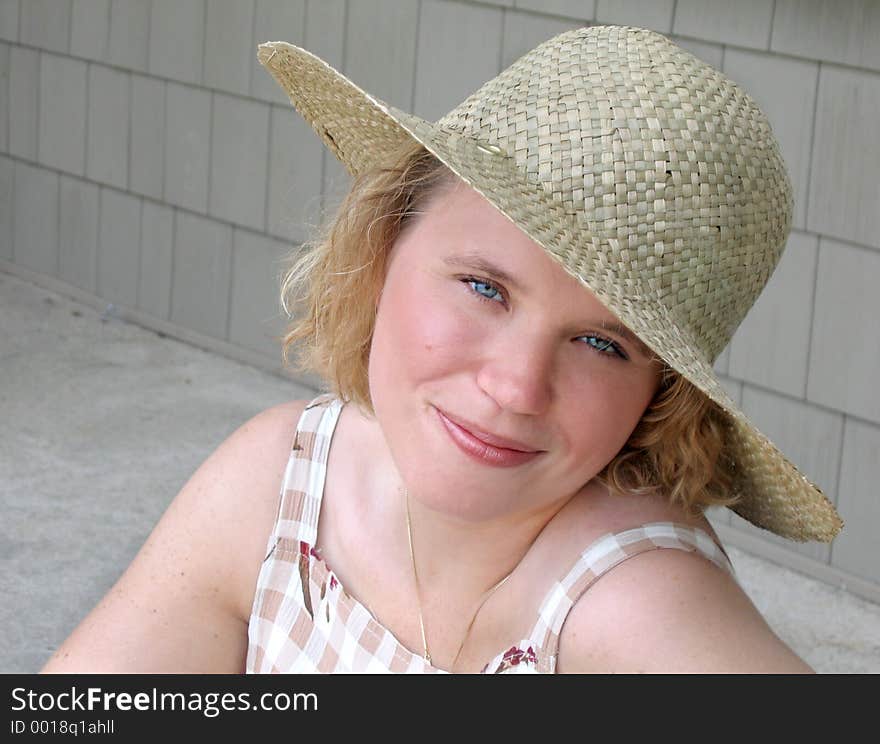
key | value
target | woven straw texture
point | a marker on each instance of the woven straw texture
(646, 173)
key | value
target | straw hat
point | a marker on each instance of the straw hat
(646, 173)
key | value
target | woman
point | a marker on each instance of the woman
(517, 309)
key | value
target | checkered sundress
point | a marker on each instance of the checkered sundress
(303, 620)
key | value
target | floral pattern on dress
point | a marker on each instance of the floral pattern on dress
(306, 552)
(516, 657)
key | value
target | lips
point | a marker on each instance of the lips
(479, 450)
(487, 438)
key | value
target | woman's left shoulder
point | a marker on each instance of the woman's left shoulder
(669, 611)
(665, 610)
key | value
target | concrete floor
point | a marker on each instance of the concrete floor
(102, 422)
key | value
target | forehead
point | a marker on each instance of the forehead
(458, 218)
(458, 224)
(461, 229)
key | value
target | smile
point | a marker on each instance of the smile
(482, 451)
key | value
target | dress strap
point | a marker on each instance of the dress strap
(609, 551)
(303, 485)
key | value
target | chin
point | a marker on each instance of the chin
(466, 502)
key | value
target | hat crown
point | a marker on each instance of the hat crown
(667, 164)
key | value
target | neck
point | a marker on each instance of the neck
(456, 553)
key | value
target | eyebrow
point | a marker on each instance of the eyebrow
(621, 330)
(478, 262)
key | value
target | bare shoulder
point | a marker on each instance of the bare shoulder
(184, 603)
(233, 498)
(237, 489)
(670, 611)
(241, 480)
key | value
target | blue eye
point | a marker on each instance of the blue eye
(484, 290)
(489, 292)
(605, 344)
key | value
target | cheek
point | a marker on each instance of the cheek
(609, 407)
(419, 332)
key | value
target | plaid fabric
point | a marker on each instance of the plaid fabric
(304, 621)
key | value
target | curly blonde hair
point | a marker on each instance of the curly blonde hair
(330, 290)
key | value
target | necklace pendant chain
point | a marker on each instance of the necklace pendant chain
(426, 654)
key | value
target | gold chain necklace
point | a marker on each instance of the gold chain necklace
(489, 593)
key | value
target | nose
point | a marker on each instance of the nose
(517, 374)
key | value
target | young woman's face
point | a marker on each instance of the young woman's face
(478, 329)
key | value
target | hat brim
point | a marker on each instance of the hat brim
(362, 131)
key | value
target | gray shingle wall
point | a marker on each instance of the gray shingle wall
(146, 159)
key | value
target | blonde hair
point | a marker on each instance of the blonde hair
(331, 288)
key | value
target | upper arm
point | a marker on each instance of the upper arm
(670, 611)
(184, 602)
